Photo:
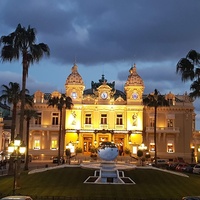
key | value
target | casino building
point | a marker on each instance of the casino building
(104, 113)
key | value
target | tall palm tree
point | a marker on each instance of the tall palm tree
(28, 115)
(22, 42)
(189, 69)
(155, 100)
(61, 102)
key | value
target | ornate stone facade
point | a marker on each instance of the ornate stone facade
(104, 113)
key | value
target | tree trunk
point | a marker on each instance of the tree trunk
(59, 140)
(155, 136)
(13, 125)
(27, 144)
(24, 74)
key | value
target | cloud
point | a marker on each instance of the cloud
(105, 38)
(151, 30)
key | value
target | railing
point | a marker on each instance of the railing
(88, 126)
(164, 129)
(103, 126)
(46, 127)
(119, 127)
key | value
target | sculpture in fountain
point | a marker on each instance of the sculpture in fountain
(108, 172)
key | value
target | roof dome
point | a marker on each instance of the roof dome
(134, 78)
(74, 78)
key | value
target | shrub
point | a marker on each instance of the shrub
(127, 151)
(139, 153)
(79, 150)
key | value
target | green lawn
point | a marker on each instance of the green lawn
(150, 184)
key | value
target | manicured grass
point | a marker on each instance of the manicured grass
(150, 184)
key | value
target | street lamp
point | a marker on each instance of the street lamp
(192, 154)
(142, 147)
(16, 149)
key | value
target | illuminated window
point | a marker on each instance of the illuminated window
(55, 117)
(103, 118)
(152, 146)
(38, 119)
(170, 147)
(134, 149)
(36, 144)
(54, 143)
(170, 123)
(119, 119)
(152, 122)
(88, 119)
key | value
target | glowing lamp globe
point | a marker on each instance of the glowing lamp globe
(107, 151)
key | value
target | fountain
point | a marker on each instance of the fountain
(108, 171)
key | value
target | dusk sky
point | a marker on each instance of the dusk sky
(105, 37)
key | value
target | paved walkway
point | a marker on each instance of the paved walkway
(122, 162)
(96, 165)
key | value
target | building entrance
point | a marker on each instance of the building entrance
(119, 141)
(87, 144)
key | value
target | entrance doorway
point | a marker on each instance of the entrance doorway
(103, 138)
(87, 144)
(119, 141)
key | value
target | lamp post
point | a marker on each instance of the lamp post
(192, 154)
(16, 149)
(143, 148)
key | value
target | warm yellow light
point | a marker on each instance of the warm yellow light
(142, 147)
(17, 141)
(11, 147)
(22, 148)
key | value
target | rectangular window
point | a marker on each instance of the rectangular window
(170, 147)
(38, 119)
(36, 144)
(103, 118)
(119, 119)
(152, 146)
(151, 122)
(170, 123)
(54, 143)
(55, 118)
(88, 119)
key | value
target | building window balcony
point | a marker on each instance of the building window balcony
(103, 126)
(163, 129)
(119, 127)
(90, 126)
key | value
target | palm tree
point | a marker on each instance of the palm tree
(155, 100)
(60, 102)
(28, 115)
(22, 41)
(195, 87)
(11, 94)
(189, 69)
